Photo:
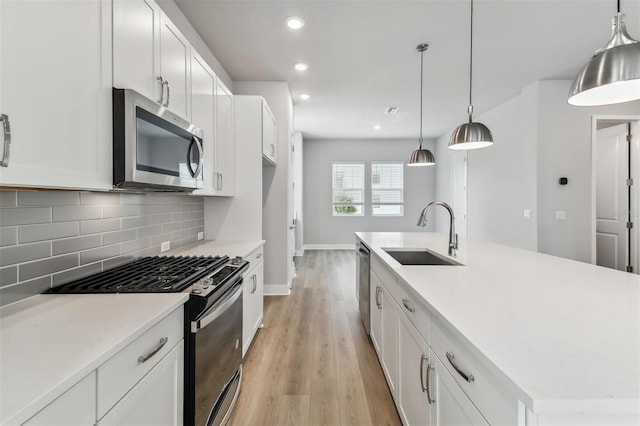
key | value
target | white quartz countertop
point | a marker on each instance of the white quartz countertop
(566, 333)
(49, 342)
(217, 248)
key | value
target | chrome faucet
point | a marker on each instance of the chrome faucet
(453, 237)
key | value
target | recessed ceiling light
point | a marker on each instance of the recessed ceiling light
(391, 110)
(295, 23)
(301, 66)
(305, 96)
(377, 127)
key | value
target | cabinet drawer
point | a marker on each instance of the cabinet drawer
(487, 390)
(385, 275)
(122, 371)
(414, 310)
(254, 257)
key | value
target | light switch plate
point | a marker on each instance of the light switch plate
(527, 214)
(561, 215)
(165, 246)
(200, 236)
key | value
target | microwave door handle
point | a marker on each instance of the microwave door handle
(195, 141)
(200, 156)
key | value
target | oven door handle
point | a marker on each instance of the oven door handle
(217, 310)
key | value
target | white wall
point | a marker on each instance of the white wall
(321, 227)
(564, 149)
(538, 138)
(277, 199)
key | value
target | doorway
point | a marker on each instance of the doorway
(616, 193)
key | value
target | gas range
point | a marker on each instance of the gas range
(197, 275)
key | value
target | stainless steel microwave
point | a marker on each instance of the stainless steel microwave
(153, 149)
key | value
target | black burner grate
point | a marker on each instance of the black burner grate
(157, 274)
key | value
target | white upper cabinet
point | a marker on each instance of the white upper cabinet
(55, 94)
(136, 41)
(269, 136)
(225, 140)
(203, 89)
(150, 55)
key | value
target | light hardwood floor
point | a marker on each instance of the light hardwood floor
(312, 363)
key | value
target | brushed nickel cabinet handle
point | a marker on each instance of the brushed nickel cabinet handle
(221, 181)
(254, 286)
(429, 369)
(408, 305)
(258, 256)
(161, 80)
(152, 352)
(423, 358)
(467, 376)
(166, 82)
(6, 130)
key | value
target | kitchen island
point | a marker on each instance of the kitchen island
(558, 339)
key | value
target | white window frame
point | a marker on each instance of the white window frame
(373, 204)
(361, 204)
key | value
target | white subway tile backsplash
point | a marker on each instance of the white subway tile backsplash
(8, 236)
(69, 245)
(24, 253)
(104, 225)
(49, 231)
(52, 237)
(24, 216)
(69, 213)
(39, 268)
(48, 198)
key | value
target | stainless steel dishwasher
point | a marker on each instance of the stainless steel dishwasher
(362, 279)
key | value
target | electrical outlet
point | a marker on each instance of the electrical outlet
(561, 215)
(200, 236)
(165, 246)
(527, 214)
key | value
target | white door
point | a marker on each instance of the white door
(635, 196)
(390, 341)
(612, 165)
(459, 190)
(375, 309)
(291, 243)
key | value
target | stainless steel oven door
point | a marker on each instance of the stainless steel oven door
(218, 358)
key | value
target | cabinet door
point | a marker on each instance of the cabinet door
(375, 310)
(453, 406)
(174, 67)
(269, 135)
(390, 340)
(252, 304)
(413, 363)
(136, 44)
(225, 138)
(203, 87)
(77, 406)
(55, 89)
(157, 399)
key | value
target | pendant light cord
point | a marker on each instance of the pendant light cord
(470, 109)
(421, 66)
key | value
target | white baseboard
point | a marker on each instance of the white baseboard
(277, 290)
(299, 253)
(329, 246)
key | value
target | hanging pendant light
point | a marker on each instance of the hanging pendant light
(612, 75)
(471, 135)
(421, 157)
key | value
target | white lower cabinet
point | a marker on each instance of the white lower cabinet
(156, 399)
(375, 311)
(252, 298)
(77, 406)
(415, 376)
(384, 330)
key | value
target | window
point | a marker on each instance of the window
(387, 189)
(348, 189)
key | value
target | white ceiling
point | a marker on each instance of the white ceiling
(362, 54)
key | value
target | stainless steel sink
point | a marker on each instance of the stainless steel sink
(419, 257)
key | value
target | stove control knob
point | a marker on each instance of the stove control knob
(236, 260)
(206, 282)
(196, 289)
